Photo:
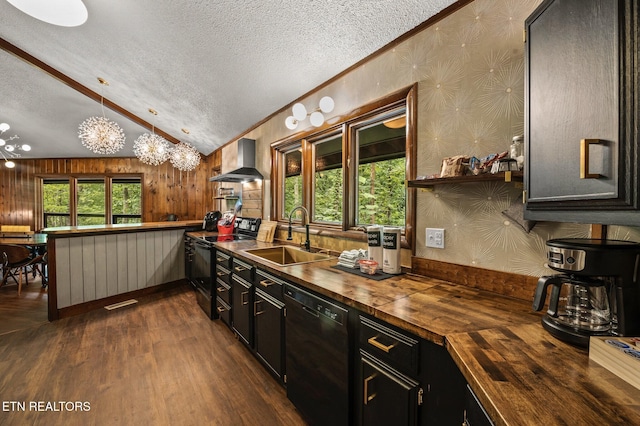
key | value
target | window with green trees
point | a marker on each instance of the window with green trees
(293, 188)
(381, 171)
(354, 171)
(95, 200)
(328, 179)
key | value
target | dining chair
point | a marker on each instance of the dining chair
(15, 260)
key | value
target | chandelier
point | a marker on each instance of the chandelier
(184, 157)
(9, 151)
(99, 134)
(150, 148)
(316, 118)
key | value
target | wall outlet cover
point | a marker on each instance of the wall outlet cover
(435, 237)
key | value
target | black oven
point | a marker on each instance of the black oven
(200, 272)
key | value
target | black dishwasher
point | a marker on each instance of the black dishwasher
(317, 357)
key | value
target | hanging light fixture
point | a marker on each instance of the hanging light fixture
(150, 148)
(184, 157)
(99, 134)
(316, 118)
(10, 150)
(64, 13)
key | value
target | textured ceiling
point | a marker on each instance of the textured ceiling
(215, 68)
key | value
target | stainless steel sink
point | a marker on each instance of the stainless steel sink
(285, 255)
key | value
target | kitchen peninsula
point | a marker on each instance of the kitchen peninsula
(93, 266)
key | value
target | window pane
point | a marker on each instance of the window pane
(55, 198)
(91, 207)
(126, 199)
(328, 180)
(292, 180)
(381, 172)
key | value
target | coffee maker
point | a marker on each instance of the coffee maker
(596, 293)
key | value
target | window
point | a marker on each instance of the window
(56, 202)
(327, 180)
(76, 201)
(381, 149)
(126, 196)
(356, 170)
(90, 202)
(292, 179)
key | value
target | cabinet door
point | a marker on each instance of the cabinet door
(580, 84)
(387, 397)
(241, 308)
(269, 331)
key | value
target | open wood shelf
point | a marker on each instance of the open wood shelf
(485, 177)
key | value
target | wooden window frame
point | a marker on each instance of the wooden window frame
(73, 193)
(407, 98)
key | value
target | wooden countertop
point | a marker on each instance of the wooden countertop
(521, 374)
(75, 231)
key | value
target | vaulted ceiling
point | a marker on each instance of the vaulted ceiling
(214, 68)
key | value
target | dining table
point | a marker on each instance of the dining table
(37, 243)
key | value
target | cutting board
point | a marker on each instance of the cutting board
(267, 231)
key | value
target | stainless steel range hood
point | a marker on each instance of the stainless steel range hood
(246, 166)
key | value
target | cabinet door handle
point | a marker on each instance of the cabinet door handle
(221, 289)
(368, 397)
(220, 274)
(584, 159)
(242, 298)
(267, 283)
(374, 342)
(255, 308)
(240, 268)
(220, 309)
(220, 260)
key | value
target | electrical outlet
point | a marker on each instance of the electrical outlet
(435, 237)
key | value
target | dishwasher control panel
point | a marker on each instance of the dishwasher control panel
(316, 304)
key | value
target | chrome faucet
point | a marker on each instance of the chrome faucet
(307, 243)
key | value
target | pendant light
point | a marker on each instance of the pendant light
(99, 134)
(184, 157)
(150, 148)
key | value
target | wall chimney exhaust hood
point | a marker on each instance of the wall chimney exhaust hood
(246, 166)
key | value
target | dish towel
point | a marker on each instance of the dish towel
(350, 258)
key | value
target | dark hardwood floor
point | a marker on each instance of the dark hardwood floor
(159, 362)
(27, 310)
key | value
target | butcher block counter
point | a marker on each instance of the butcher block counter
(520, 373)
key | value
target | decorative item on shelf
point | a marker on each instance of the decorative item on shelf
(10, 151)
(150, 148)
(184, 157)
(99, 134)
(315, 117)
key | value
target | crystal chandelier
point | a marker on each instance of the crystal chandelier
(150, 148)
(9, 150)
(184, 157)
(99, 134)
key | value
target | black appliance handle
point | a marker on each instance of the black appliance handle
(541, 293)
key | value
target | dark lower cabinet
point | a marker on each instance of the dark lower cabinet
(474, 413)
(241, 296)
(268, 323)
(388, 396)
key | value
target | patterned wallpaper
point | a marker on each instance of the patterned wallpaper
(470, 72)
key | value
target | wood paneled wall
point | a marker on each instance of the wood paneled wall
(189, 195)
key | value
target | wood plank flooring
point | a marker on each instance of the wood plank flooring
(24, 311)
(160, 362)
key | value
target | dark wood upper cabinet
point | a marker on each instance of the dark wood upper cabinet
(581, 98)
